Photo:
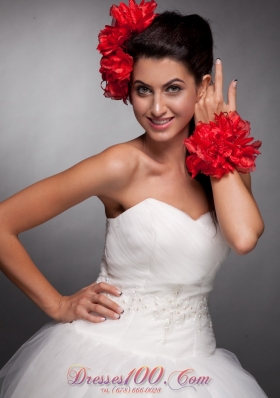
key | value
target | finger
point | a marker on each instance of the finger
(105, 287)
(218, 78)
(209, 92)
(100, 310)
(107, 302)
(104, 302)
(204, 98)
(93, 318)
(94, 313)
(232, 96)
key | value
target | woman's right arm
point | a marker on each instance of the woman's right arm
(105, 174)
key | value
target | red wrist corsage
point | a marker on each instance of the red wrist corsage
(218, 147)
(116, 64)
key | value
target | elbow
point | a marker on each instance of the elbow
(246, 245)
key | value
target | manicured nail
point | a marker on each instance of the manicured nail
(218, 61)
(103, 319)
(118, 292)
(235, 83)
(120, 309)
(117, 316)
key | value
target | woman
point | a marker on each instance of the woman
(164, 244)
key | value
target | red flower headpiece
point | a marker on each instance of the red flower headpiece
(220, 147)
(116, 64)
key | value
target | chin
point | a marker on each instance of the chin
(161, 136)
(156, 136)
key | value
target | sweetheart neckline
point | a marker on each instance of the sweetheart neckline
(160, 201)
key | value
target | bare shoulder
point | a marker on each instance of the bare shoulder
(120, 162)
(114, 165)
(121, 158)
(123, 164)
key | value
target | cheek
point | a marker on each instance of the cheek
(184, 106)
(139, 106)
(138, 110)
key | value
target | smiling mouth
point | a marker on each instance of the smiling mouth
(160, 122)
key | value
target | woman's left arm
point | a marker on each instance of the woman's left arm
(237, 211)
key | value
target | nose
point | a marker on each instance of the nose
(158, 106)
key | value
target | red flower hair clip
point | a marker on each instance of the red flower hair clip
(221, 146)
(116, 64)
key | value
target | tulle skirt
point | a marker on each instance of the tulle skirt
(59, 362)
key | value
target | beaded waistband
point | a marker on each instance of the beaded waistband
(171, 306)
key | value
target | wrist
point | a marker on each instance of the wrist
(220, 147)
(54, 310)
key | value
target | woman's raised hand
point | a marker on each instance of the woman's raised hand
(211, 99)
(87, 300)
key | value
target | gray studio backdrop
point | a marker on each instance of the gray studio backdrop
(53, 115)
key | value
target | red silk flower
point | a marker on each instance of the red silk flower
(116, 71)
(218, 147)
(116, 64)
(111, 38)
(135, 17)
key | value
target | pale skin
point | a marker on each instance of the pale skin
(151, 165)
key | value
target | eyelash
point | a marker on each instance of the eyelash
(176, 87)
(139, 88)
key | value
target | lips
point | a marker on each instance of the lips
(160, 123)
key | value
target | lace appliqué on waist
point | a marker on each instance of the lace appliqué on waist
(166, 306)
(175, 311)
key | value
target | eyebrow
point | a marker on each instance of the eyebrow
(166, 84)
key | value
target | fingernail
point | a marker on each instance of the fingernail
(218, 61)
(120, 309)
(103, 319)
(118, 291)
(117, 316)
(235, 83)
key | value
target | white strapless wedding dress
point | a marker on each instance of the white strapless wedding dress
(163, 345)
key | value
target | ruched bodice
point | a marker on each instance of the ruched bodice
(165, 263)
(156, 244)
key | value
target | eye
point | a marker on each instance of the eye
(142, 90)
(173, 89)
